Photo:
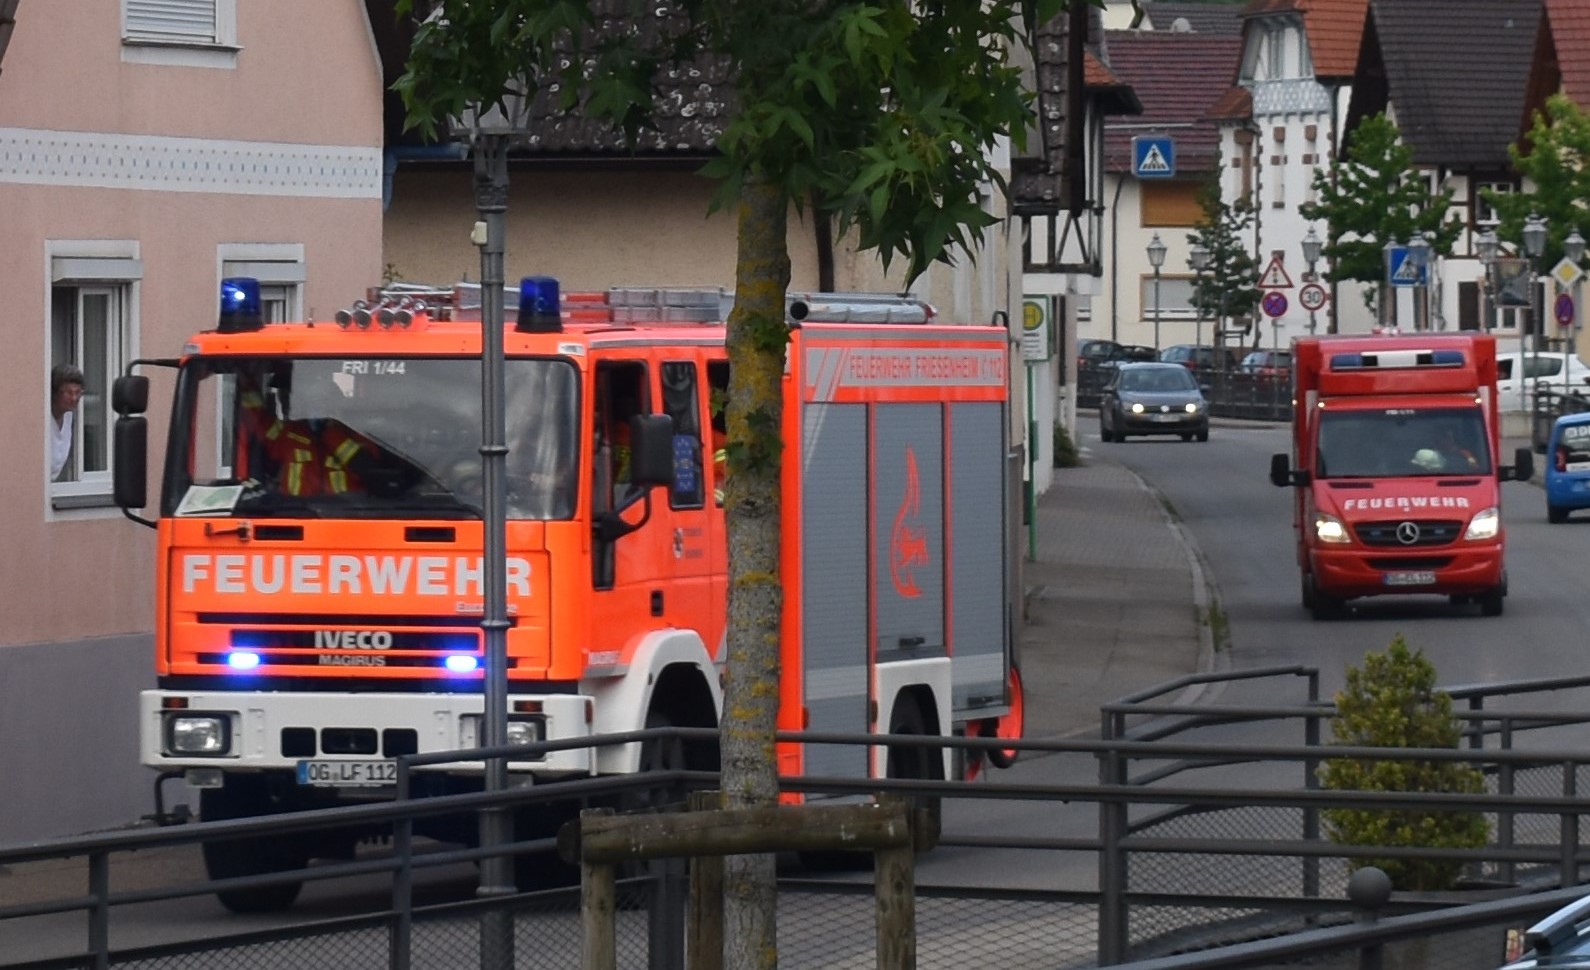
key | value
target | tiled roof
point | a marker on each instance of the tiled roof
(1335, 32)
(1570, 30)
(1431, 50)
(1202, 18)
(1235, 105)
(1177, 77)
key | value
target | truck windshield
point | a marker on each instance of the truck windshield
(1402, 442)
(366, 437)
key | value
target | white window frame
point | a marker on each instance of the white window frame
(180, 33)
(1175, 297)
(111, 269)
(1484, 213)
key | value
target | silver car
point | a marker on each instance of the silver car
(1153, 398)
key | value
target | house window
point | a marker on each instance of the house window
(180, 22)
(90, 320)
(1175, 298)
(1484, 213)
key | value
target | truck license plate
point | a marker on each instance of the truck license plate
(347, 774)
(1410, 578)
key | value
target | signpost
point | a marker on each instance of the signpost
(1274, 304)
(1402, 271)
(1562, 309)
(1275, 276)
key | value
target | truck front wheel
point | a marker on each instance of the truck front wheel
(249, 796)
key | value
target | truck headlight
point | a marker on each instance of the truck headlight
(199, 734)
(520, 729)
(1328, 528)
(1485, 524)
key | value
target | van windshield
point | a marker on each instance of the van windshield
(367, 437)
(1402, 443)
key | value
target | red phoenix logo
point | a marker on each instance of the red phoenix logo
(908, 541)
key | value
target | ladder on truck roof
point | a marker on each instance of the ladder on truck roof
(669, 304)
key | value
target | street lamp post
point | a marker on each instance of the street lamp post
(1573, 251)
(1486, 247)
(1311, 249)
(1388, 294)
(1198, 259)
(1156, 259)
(1534, 245)
(1419, 258)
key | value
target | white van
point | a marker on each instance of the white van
(1516, 371)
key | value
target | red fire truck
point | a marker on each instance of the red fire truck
(320, 529)
(1395, 468)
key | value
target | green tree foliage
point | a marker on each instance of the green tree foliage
(887, 113)
(1374, 196)
(1231, 283)
(1392, 702)
(1553, 157)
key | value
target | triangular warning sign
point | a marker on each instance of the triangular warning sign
(1406, 272)
(1153, 162)
(1275, 277)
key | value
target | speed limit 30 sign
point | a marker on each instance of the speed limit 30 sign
(1311, 297)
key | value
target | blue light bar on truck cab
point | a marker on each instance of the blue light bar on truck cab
(540, 309)
(1397, 360)
(240, 305)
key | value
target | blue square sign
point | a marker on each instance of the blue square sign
(1153, 156)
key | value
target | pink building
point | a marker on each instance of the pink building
(147, 149)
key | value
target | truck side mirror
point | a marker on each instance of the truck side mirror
(129, 398)
(1523, 467)
(652, 450)
(130, 475)
(1280, 471)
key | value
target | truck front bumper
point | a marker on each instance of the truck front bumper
(1458, 570)
(262, 730)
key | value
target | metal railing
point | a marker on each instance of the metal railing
(1205, 850)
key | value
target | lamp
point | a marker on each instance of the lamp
(1535, 244)
(1198, 259)
(1573, 247)
(1311, 249)
(1156, 259)
(1486, 246)
(1419, 257)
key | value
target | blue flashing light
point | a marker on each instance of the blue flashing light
(242, 660)
(1347, 361)
(1447, 358)
(540, 309)
(462, 663)
(241, 308)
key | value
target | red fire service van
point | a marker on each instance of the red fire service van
(320, 530)
(1395, 469)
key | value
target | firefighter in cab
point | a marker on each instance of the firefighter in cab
(296, 456)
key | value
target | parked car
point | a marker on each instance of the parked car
(1518, 371)
(1560, 941)
(1267, 363)
(1200, 357)
(1152, 398)
(1138, 352)
(1568, 467)
(1095, 352)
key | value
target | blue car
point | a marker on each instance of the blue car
(1568, 467)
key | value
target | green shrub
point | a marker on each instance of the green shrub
(1391, 702)
(1065, 452)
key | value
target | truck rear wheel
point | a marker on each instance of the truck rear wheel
(249, 796)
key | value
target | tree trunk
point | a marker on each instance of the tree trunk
(757, 336)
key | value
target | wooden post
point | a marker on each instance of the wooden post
(704, 935)
(598, 906)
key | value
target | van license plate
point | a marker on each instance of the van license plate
(1409, 578)
(347, 774)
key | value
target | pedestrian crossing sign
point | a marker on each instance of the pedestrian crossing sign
(1402, 271)
(1153, 156)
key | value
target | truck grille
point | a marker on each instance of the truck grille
(1394, 532)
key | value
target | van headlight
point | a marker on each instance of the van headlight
(199, 734)
(1485, 524)
(1328, 528)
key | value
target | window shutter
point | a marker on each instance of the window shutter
(192, 20)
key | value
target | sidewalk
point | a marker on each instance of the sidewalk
(1117, 600)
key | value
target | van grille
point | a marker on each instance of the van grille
(1432, 532)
